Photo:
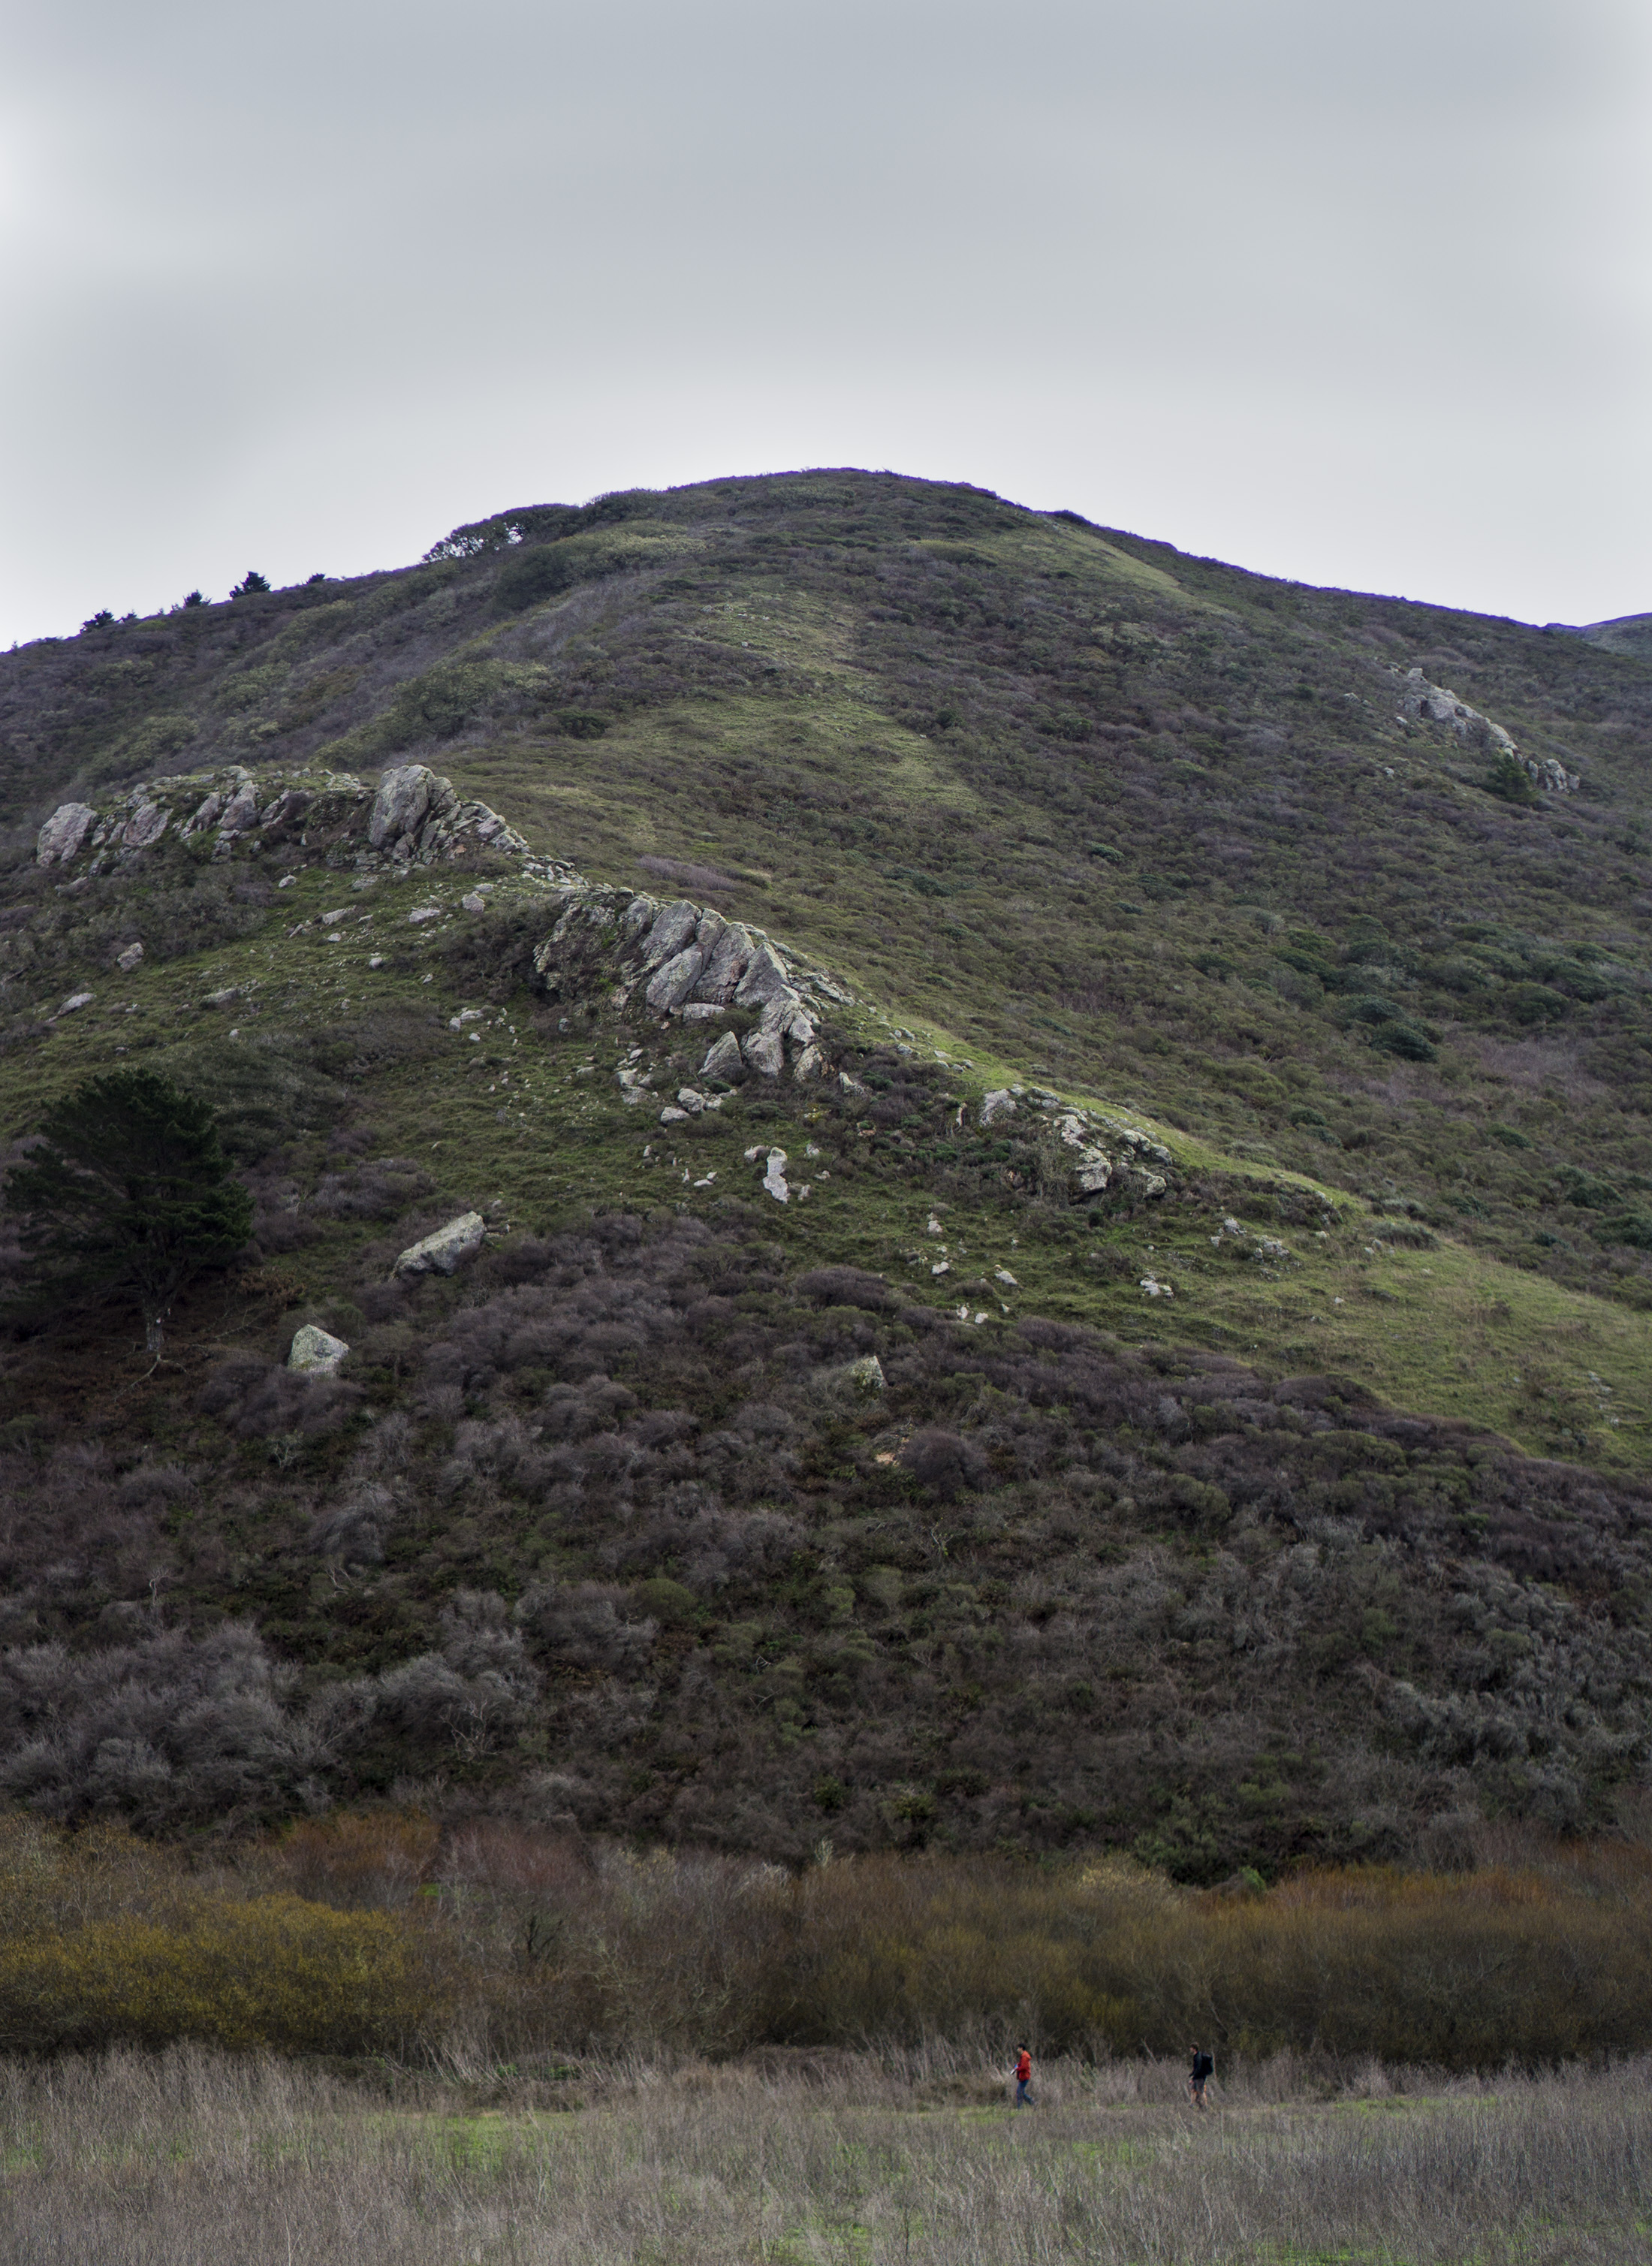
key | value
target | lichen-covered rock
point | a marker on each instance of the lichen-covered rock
(316, 1352)
(1418, 701)
(407, 795)
(724, 1063)
(131, 958)
(442, 1251)
(764, 978)
(1001, 1103)
(59, 840)
(765, 1052)
(724, 965)
(206, 816)
(774, 1176)
(673, 930)
(671, 983)
(148, 822)
(240, 813)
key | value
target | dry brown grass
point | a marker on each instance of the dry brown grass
(195, 2160)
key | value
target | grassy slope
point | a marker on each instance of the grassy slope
(892, 724)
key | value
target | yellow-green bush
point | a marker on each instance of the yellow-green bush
(272, 1971)
(111, 1941)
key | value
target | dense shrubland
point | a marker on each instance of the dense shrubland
(612, 1534)
(501, 1944)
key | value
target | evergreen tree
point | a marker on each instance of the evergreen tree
(126, 1195)
(252, 584)
(1510, 779)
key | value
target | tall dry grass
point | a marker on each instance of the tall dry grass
(191, 2159)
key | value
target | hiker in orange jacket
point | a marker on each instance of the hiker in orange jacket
(1023, 2077)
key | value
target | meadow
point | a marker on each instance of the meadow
(191, 2158)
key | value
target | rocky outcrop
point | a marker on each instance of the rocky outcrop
(442, 1251)
(59, 840)
(684, 960)
(414, 817)
(1417, 701)
(316, 1353)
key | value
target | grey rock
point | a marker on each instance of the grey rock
(406, 796)
(696, 1011)
(672, 983)
(316, 1352)
(764, 978)
(62, 834)
(690, 1098)
(129, 959)
(669, 1115)
(708, 935)
(75, 1001)
(996, 1105)
(207, 815)
(148, 822)
(640, 916)
(810, 1063)
(441, 1251)
(727, 965)
(865, 1376)
(774, 1176)
(474, 902)
(724, 1061)
(765, 1052)
(673, 928)
(240, 813)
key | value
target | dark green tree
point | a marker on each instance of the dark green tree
(1510, 779)
(251, 586)
(126, 1195)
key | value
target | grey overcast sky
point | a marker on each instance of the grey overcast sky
(1358, 294)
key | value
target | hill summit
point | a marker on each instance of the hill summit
(922, 1171)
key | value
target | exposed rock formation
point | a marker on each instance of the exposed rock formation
(441, 1251)
(1419, 702)
(64, 833)
(415, 818)
(687, 961)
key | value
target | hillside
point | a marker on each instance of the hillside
(1207, 1047)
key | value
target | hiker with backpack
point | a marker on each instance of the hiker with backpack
(1203, 2070)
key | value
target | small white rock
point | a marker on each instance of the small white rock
(76, 1000)
(474, 902)
(425, 913)
(129, 959)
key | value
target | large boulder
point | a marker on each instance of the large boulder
(672, 983)
(726, 964)
(764, 978)
(724, 1063)
(147, 824)
(60, 839)
(673, 931)
(240, 814)
(442, 1251)
(408, 794)
(765, 1052)
(316, 1353)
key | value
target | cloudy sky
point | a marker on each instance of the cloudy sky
(1357, 294)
